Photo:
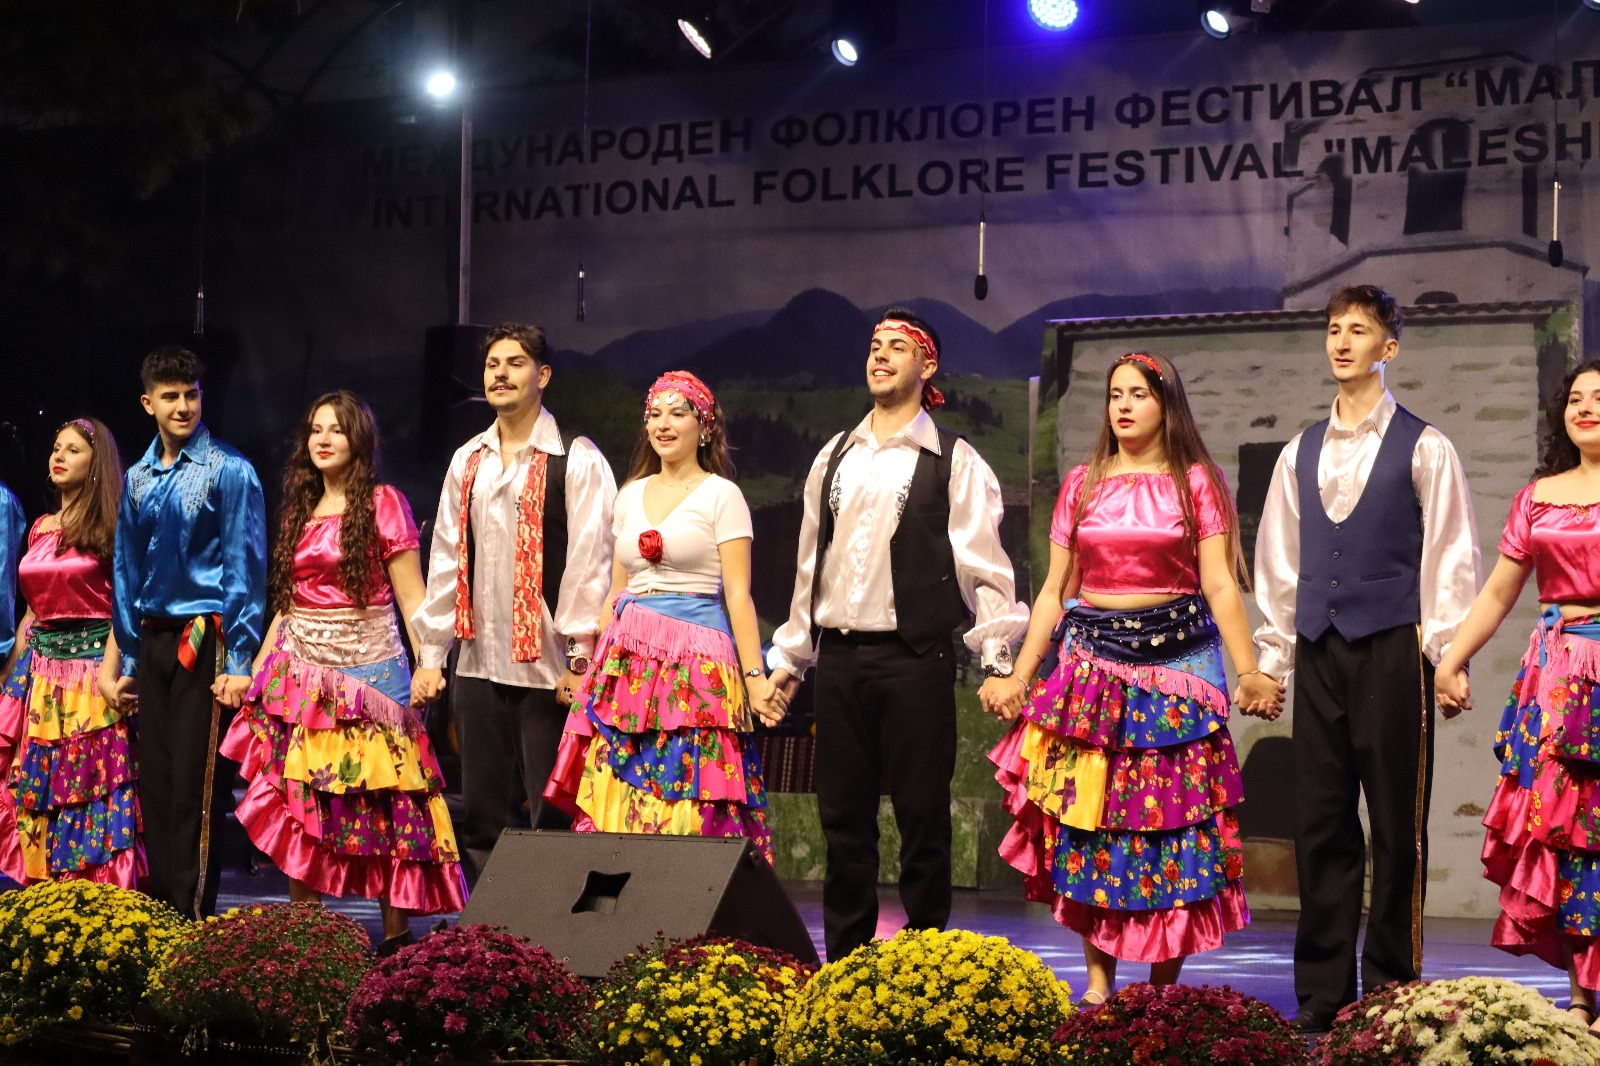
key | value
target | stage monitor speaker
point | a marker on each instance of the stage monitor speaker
(452, 404)
(591, 898)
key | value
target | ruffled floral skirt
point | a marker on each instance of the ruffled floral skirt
(659, 740)
(68, 807)
(1542, 839)
(1122, 779)
(344, 790)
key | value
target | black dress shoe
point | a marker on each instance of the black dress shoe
(392, 944)
(1309, 1025)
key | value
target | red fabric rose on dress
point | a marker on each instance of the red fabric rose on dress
(650, 546)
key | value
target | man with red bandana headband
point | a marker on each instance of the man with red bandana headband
(899, 546)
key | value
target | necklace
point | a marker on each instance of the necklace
(680, 484)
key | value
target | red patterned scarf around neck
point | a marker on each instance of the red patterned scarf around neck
(527, 566)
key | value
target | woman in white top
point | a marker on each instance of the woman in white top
(659, 738)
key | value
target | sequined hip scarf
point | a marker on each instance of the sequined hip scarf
(342, 636)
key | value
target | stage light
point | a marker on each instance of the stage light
(1053, 14)
(441, 83)
(1592, 5)
(1215, 22)
(697, 37)
(859, 29)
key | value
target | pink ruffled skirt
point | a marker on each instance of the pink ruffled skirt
(344, 791)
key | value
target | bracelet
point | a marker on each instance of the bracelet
(1263, 673)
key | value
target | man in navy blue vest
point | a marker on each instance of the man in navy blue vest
(899, 545)
(1366, 564)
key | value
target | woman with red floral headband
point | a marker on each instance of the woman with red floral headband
(1119, 769)
(658, 741)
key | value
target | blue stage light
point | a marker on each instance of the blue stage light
(1215, 22)
(845, 51)
(1053, 14)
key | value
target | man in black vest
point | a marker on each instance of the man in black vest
(1366, 564)
(899, 545)
(519, 567)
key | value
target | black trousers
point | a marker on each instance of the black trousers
(508, 736)
(174, 751)
(1363, 722)
(883, 713)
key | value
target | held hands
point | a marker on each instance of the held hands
(121, 693)
(1003, 696)
(1260, 695)
(229, 689)
(427, 685)
(1451, 691)
(770, 696)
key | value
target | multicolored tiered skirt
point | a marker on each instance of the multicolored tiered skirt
(1542, 846)
(1122, 779)
(68, 807)
(344, 789)
(659, 739)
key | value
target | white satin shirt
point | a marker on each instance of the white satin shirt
(857, 591)
(590, 490)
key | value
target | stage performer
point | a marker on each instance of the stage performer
(899, 546)
(67, 766)
(189, 578)
(13, 524)
(1366, 564)
(1120, 773)
(344, 790)
(660, 739)
(517, 571)
(1542, 846)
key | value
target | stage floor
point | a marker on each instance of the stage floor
(1257, 960)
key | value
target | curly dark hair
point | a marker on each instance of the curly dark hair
(1557, 452)
(533, 340)
(360, 555)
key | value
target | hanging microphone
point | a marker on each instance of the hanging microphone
(1556, 256)
(200, 312)
(980, 284)
(582, 305)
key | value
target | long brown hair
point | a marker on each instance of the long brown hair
(1181, 443)
(90, 523)
(359, 553)
(714, 454)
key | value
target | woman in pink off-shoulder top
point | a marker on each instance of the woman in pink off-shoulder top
(1120, 772)
(1542, 845)
(344, 789)
(67, 805)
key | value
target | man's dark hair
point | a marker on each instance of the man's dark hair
(171, 365)
(532, 339)
(1382, 307)
(901, 314)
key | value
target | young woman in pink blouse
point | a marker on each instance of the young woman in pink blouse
(1542, 845)
(344, 789)
(1120, 772)
(67, 805)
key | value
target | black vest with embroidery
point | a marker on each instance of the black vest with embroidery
(922, 565)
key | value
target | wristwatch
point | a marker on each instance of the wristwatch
(998, 668)
(578, 664)
(755, 671)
